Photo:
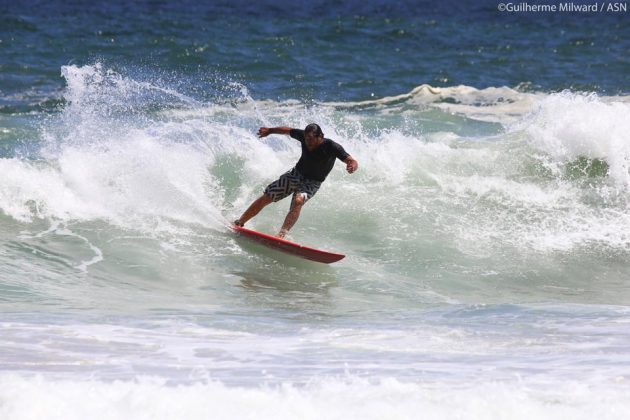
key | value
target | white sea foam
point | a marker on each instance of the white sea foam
(334, 398)
(493, 104)
(569, 125)
(98, 166)
(131, 184)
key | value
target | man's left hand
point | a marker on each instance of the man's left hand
(351, 165)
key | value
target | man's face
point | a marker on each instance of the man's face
(312, 140)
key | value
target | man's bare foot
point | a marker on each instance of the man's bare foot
(282, 233)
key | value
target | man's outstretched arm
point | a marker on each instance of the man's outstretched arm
(265, 131)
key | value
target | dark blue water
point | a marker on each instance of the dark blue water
(309, 50)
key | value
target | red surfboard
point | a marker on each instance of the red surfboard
(288, 247)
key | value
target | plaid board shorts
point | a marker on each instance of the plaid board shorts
(292, 182)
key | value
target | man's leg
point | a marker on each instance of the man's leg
(254, 209)
(296, 206)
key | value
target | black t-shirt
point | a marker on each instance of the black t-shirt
(318, 163)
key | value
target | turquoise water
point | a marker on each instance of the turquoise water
(486, 230)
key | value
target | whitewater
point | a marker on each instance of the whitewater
(486, 275)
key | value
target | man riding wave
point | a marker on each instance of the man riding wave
(303, 180)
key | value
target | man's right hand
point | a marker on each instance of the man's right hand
(263, 132)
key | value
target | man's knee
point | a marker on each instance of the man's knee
(266, 199)
(299, 200)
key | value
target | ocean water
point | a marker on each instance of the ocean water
(487, 230)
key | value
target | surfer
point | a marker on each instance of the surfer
(303, 180)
